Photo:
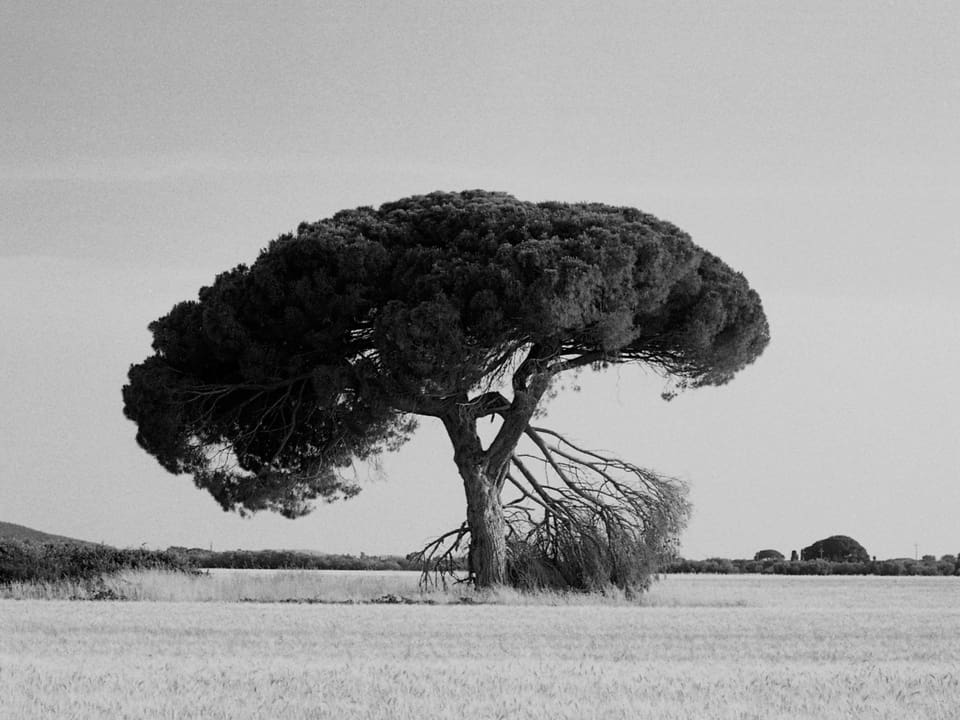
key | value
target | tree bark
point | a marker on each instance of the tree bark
(487, 558)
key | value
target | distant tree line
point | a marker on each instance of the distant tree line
(290, 560)
(28, 561)
(835, 555)
(764, 562)
(929, 565)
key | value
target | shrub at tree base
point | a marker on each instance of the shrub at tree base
(587, 562)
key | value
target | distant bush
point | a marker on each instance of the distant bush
(25, 561)
(889, 567)
(720, 566)
(768, 555)
(836, 548)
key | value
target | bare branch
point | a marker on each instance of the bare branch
(489, 403)
(592, 520)
(438, 559)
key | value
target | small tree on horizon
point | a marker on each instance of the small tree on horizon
(460, 307)
(836, 548)
(768, 555)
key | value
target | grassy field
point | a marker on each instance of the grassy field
(698, 647)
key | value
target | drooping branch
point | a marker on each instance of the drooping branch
(439, 559)
(604, 466)
(543, 497)
(584, 519)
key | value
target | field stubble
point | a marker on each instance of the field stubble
(698, 647)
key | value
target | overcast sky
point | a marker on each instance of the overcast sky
(814, 146)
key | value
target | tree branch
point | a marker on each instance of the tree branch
(438, 563)
(490, 403)
(586, 358)
(545, 500)
(530, 382)
(420, 405)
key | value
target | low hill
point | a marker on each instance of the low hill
(11, 531)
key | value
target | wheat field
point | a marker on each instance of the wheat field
(696, 647)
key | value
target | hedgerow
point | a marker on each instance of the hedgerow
(25, 561)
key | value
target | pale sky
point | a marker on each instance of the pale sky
(814, 146)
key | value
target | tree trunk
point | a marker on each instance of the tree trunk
(487, 559)
(484, 472)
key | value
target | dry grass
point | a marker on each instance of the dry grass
(820, 648)
(335, 586)
(309, 586)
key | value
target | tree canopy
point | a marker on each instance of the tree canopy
(282, 374)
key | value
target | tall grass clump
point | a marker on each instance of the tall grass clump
(310, 586)
(586, 561)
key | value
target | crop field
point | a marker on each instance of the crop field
(695, 647)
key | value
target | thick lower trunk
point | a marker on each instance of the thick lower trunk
(487, 559)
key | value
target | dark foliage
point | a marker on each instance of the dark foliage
(836, 548)
(284, 372)
(24, 561)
